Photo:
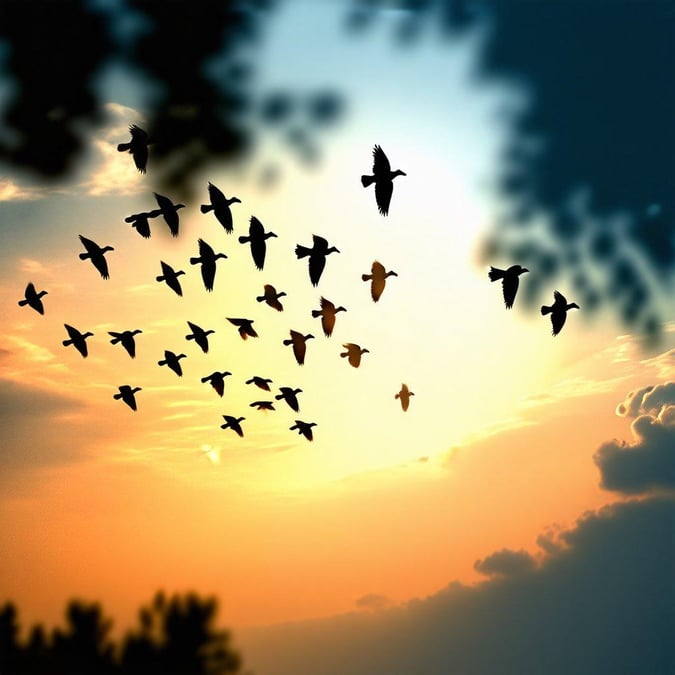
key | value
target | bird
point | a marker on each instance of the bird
(137, 147)
(220, 206)
(217, 381)
(127, 394)
(353, 353)
(173, 361)
(171, 278)
(245, 327)
(141, 221)
(290, 396)
(199, 335)
(77, 339)
(97, 255)
(298, 341)
(257, 237)
(383, 177)
(509, 279)
(378, 278)
(261, 382)
(317, 257)
(271, 297)
(207, 257)
(404, 396)
(233, 423)
(304, 429)
(170, 212)
(127, 339)
(327, 313)
(262, 405)
(33, 299)
(558, 311)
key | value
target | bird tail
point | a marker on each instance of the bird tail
(545, 310)
(67, 342)
(195, 261)
(316, 312)
(302, 251)
(129, 219)
(343, 354)
(244, 240)
(160, 278)
(260, 298)
(117, 397)
(366, 277)
(205, 208)
(84, 256)
(495, 273)
(367, 180)
(205, 379)
(123, 147)
(23, 303)
(397, 396)
(288, 342)
(115, 339)
(162, 362)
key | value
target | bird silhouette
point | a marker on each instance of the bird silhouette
(233, 423)
(207, 258)
(290, 396)
(304, 429)
(558, 311)
(378, 278)
(137, 147)
(509, 279)
(404, 396)
(245, 327)
(169, 211)
(317, 257)
(220, 206)
(97, 255)
(262, 405)
(141, 221)
(127, 339)
(171, 278)
(260, 382)
(327, 313)
(298, 340)
(383, 177)
(271, 297)
(128, 395)
(217, 381)
(33, 299)
(199, 335)
(257, 237)
(173, 361)
(353, 353)
(77, 339)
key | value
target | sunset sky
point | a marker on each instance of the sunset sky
(511, 446)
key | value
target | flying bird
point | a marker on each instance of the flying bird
(271, 297)
(404, 396)
(171, 278)
(137, 147)
(233, 423)
(207, 258)
(262, 405)
(172, 361)
(298, 340)
(558, 311)
(127, 339)
(220, 206)
(353, 353)
(217, 381)
(170, 212)
(199, 335)
(128, 395)
(141, 221)
(327, 313)
(257, 238)
(77, 339)
(378, 278)
(245, 327)
(509, 279)
(383, 177)
(304, 429)
(290, 396)
(317, 257)
(97, 255)
(260, 382)
(33, 299)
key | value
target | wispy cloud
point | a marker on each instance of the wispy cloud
(11, 191)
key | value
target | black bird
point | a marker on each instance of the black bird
(304, 429)
(290, 396)
(199, 335)
(353, 353)
(127, 339)
(262, 405)
(97, 255)
(170, 212)
(509, 279)
(207, 258)
(173, 361)
(127, 394)
(77, 339)
(383, 177)
(233, 423)
(298, 341)
(404, 396)
(140, 221)
(558, 311)
(217, 381)
(317, 257)
(171, 278)
(378, 278)
(256, 237)
(327, 313)
(137, 147)
(245, 327)
(271, 297)
(33, 299)
(220, 206)
(261, 382)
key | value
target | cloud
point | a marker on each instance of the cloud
(373, 602)
(647, 400)
(11, 191)
(663, 363)
(505, 563)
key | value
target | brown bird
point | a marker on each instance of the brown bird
(220, 206)
(171, 278)
(127, 394)
(207, 257)
(33, 299)
(383, 177)
(77, 339)
(317, 257)
(127, 339)
(404, 396)
(257, 238)
(304, 429)
(558, 311)
(509, 279)
(262, 405)
(245, 327)
(327, 314)
(217, 381)
(97, 255)
(271, 297)
(137, 147)
(378, 276)
(172, 361)
(233, 423)
(290, 396)
(260, 382)
(298, 340)
(170, 212)
(199, 335)
(353, 353)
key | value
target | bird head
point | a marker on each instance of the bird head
(398, 172)
(522, 270)
(107, 248)
(332, 249)
(177, 274)
(234, 200)
(573, 305)
(309, 336)
(340, 309)
(391, 273)
(269, 234)
(365, 351)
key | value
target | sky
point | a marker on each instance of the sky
(531, 474)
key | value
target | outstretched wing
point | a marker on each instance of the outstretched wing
(383, 191)
(509, 289)
(558, 321)
(91, 246)
(215, 195)
(205, 251)
(381, 166)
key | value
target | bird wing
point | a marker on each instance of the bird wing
(509, 289)
(140, 155)
(292, 401)
(354, 357)
(208, 271)
(101, 264)
(143, 227)
(383, 190)
(237, 322)
(30, 292)
(381, 166)
(255, 227)
(316, 266)
(129, 344)
(320, 244)
(258, 250)
(327, 304)
(376, 287)
(218, 384)
(91, 246)
(73, 333)
(205, 251)
(299, 348)
(558, 321)
(138, 134)
(215, 195)
(560, 299)
(328, 324)
(377, 269)
(163, 202)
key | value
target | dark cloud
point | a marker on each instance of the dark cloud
(373, 601)
(505, 563)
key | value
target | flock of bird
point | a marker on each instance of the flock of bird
(382, 177)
